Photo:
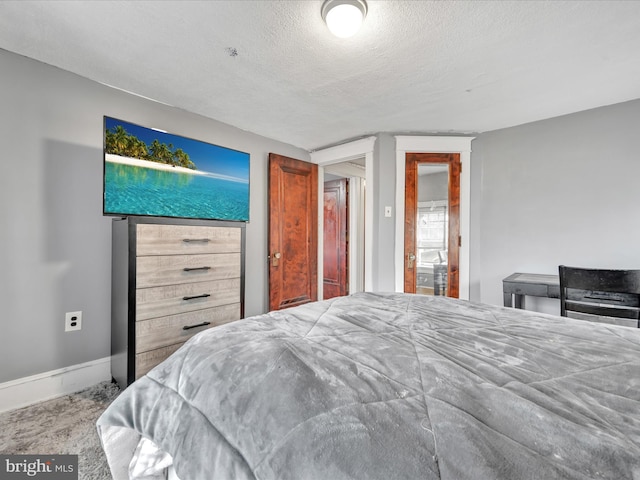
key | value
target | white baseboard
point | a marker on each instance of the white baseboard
(56, 383)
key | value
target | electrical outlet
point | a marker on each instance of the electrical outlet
(72, 321)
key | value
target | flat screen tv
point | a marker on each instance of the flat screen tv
(148, 172)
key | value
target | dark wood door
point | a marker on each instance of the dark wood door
(411, 217)
(293, 232)
(336, 224)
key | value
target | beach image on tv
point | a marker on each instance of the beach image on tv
(152, 173)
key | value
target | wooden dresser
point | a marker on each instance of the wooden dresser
(170, 280)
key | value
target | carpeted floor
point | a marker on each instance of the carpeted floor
(64, 425)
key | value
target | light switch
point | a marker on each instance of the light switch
(387, 211)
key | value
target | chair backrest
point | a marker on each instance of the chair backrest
(605, 293)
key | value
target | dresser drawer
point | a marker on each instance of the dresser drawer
(172, 269)
(187, 297)
(186, 239)
(163, 331)
(147, 360)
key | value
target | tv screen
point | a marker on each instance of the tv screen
(149, 172)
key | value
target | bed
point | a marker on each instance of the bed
(386, 386)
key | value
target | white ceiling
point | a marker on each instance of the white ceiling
(273, 68)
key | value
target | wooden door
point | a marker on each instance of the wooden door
(293, 232)
(452, 160)
(336, 221)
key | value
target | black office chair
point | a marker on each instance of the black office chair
(603, 293)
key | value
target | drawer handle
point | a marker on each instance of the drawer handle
(189, 327)
(193, 269)
(198, 240)
(204, 295)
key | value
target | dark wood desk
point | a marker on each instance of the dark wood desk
(517, 285)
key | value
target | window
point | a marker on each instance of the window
(433, 222)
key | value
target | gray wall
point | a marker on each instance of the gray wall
(384, 160)
(55, 245)
(559, 191)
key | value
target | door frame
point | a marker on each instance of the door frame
(343, 153)
(435, 144)
(354, 174)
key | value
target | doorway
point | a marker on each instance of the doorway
(351, 175)
(447, 144)
(357, 159)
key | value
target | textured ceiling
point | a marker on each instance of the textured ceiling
(273, 68)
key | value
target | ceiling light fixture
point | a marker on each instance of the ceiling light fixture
(344, 17)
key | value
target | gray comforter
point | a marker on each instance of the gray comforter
(395, 386)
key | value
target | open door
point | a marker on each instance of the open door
(432, 224)
(336, 248)
(293, 232)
